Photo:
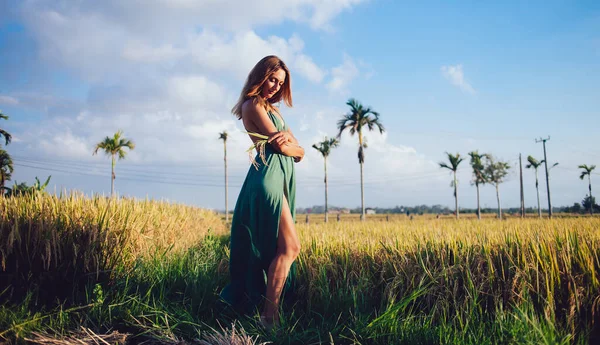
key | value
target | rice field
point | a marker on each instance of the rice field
(153, 270)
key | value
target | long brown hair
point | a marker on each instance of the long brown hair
(261, 72)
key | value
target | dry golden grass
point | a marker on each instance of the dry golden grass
(409, 234)
(57, 242)
(140, 226)
(552, 264)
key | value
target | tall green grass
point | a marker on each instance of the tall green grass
(424, 281)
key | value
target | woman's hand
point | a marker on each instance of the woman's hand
(280, 138)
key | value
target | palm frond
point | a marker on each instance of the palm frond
(355, 120)
(114, 145)
(334, 142)
(6, 166)
(444, 165)
(354, 104)
(587, 170)
(478, 167)
(325, 146)
(127, 143)
(121, 153)
(7, 136)
(3, 133)
(454, 161)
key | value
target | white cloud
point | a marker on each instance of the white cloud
(305, 65)
(8, 100)
(144, 52)
(455, 75)
(237, 54)
(71, 145)
(342, 75)
(195, 92)
(162, 18)
(106, 47)
(393, 173)
(324, 11)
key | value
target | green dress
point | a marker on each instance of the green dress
(255, 227)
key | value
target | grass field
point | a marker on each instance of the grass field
(316, 218)
(153, 270)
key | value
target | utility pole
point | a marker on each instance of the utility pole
(226, 184)
(543, 141)
(522, 193)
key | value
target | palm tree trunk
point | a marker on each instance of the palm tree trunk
(591, 199)
(362, 193)
(226, 185)
(478, 204)
(455, 196)
(326, 208)
(538, 193)
(112, 177)
(362, 187)
(498, 197)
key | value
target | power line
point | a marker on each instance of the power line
(146, 166)
(126, 178)
(147, 173)
(209, 184)
(461, 135)
(144, 174)
(574, 170)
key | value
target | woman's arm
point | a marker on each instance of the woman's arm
(293, 138)
(293, 150)
(255, 116)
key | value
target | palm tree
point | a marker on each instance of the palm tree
(587, 171)
(354, 121)
(495, 172)
(535, 164)
(112, 147)
(478, 174)
(3, 133)
(6, 170)
(454, 162)
(223, 136)
(325, 147)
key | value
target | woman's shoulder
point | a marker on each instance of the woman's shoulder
(252, 107)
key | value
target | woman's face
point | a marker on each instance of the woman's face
(273, 84)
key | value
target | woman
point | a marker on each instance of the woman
(264, 241)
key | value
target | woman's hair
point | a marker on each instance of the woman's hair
(261, 72)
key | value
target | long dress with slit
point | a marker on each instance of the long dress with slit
(255, 227)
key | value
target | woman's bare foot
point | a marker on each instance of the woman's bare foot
(268, 323)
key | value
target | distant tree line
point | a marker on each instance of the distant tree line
(577, 208)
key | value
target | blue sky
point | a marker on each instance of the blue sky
(445, 76)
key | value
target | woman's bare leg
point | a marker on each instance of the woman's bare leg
(288, 248)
